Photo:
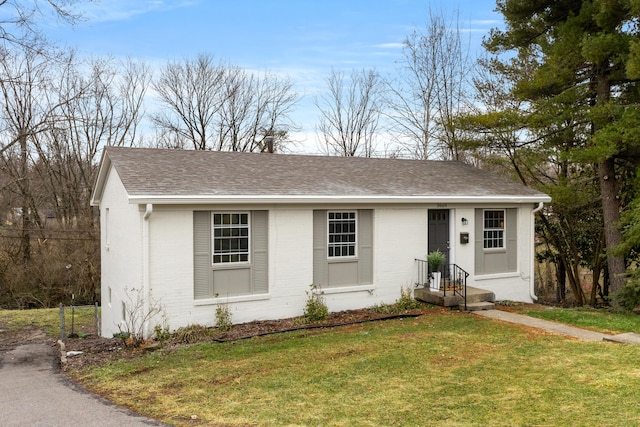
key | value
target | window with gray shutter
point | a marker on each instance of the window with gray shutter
(496, 238)
(342, 247)
(230, 253)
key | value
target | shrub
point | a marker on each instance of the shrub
(628, 297)
(137, 316)
(122, 336)
(161, 333)
(316, 308)
(405, 303)
(223, 317)
(190, 334)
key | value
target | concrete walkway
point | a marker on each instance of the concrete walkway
(34, 393)
(559, 328)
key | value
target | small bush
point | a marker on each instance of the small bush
(628, 297)
(137, 316)
(190, 334)
(122, 336)
(316, 309)
(383, 308)
(161, 333)
(405, 303)
(223, 317)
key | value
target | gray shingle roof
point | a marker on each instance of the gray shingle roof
(159, 173)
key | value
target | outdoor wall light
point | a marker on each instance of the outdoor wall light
(465, 221)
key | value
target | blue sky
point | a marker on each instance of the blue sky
(303, 39)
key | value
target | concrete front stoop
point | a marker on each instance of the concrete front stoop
(477, 299)
(476, 306)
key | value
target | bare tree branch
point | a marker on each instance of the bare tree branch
(350, 113)
(215, 106)
(430, 89)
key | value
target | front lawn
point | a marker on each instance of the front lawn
(443, 368)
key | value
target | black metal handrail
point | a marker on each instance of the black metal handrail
(453, 279)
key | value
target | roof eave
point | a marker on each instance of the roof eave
(103, 172)
(307, 199)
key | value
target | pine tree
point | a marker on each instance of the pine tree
(588, 53)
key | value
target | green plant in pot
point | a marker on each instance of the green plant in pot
(435, 259)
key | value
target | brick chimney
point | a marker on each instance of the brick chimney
(269, 143)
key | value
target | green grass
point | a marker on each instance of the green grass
(445, 369)
(601, 320)
(48, 320)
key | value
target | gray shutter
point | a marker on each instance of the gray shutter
(260, 251)
(202, 255)
(479, 241)
(365, 246)
(512, 239)
(320, 248)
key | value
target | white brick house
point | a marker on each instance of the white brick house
(193, 229)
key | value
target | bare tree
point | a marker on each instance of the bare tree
(255, 107)
(27, 112)
(55, 116)
(350, 113)
(209, 105)
(107, 113)
(430, 89)
(191, 93)
(19, 22)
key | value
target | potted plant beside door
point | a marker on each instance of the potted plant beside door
(435, 260)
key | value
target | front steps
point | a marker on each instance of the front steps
(477, 299)
(476, 306)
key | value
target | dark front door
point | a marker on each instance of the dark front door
(439, 231)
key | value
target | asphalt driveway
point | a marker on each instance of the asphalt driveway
(33, 392)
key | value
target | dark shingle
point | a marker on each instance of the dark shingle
(159, 172)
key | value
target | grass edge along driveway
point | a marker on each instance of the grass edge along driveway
(445, 369)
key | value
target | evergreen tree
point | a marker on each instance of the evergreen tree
(584, 94)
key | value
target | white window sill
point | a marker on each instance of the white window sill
(345, 289)
(494, 276)
(225, 300)
(495, 250)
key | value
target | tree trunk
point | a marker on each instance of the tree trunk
(611, 217)
(26, 211)
(561, 277)
(596, 271)
(609, 193)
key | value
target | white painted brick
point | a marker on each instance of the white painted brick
(121, 261)
(400, 236)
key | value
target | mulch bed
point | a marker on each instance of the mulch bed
(268, 327)
(98, 350)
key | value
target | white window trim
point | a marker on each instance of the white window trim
(345, 289)
(495, 276)
(237, 298)
(355, 243)
(213, 239)
(503, 229)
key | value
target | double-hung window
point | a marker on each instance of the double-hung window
(494, 229)
(230, 237)
(342, 234)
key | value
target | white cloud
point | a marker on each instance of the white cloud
(390, 46)
(118, 10)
